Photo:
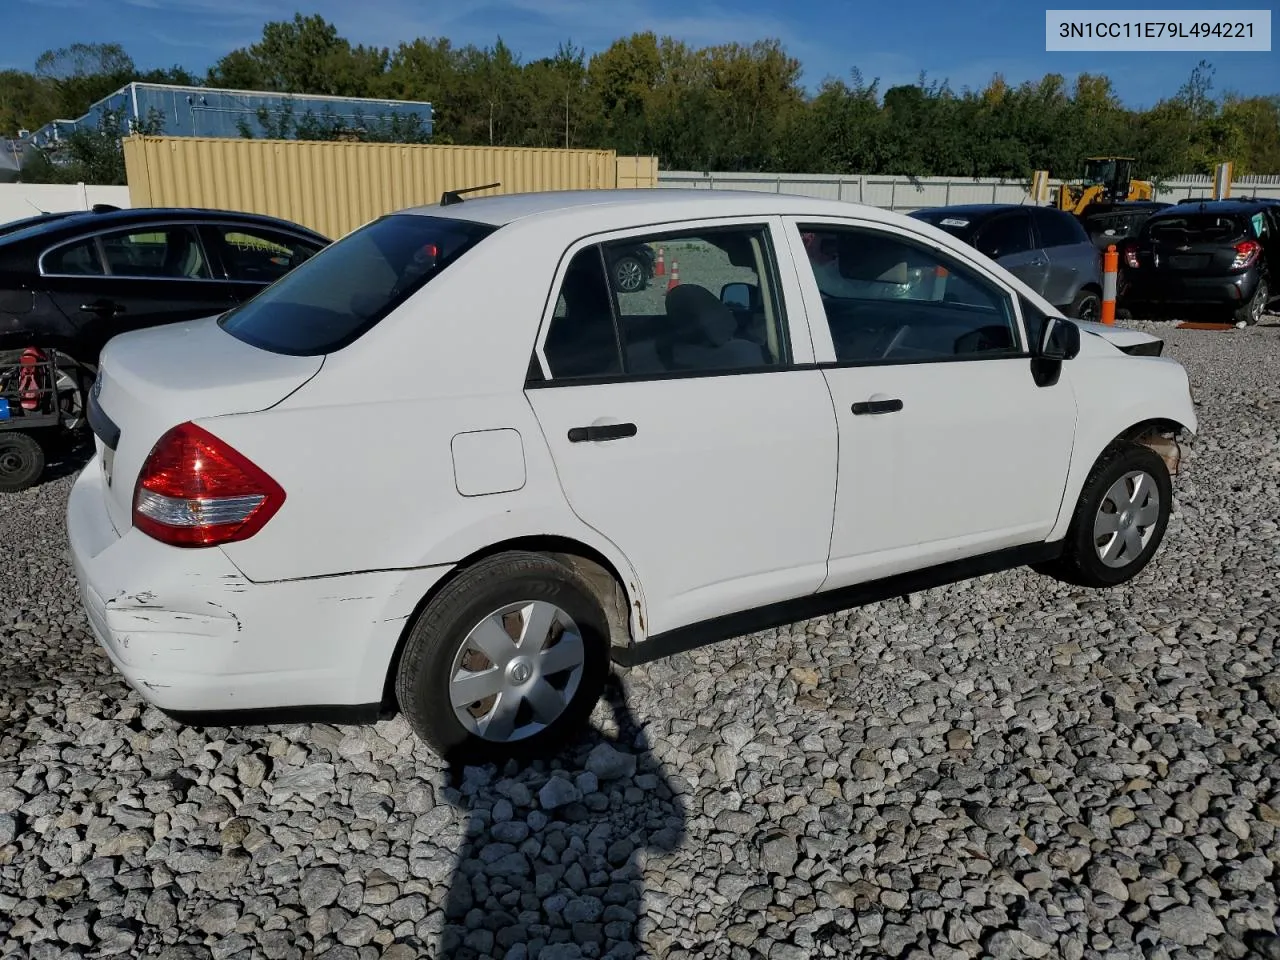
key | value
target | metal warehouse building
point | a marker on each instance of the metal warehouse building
(210, 112)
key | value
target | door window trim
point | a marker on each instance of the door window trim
(97, 235)
(819, 326)
(770, 224)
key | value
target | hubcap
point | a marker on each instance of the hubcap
(1126, 519)
(1259, 302)
(516, 671)
(11, 460)
(629, 278)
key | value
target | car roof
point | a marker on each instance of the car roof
(106, 218)
(980, 211)
(659, 202)
(1216, 206)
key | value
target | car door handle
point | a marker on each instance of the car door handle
(877, 406)
(602, 431)
(1037, 262)
(103, 308)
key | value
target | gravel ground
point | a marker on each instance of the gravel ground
(1005, 768)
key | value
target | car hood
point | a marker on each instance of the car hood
(1117, 336)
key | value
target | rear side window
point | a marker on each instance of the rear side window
(1196, 228)
(1004, 236)
(1058, 229)
(73, 260)
(163, 252)
(348, 287)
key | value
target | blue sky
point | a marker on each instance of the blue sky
(964, 43)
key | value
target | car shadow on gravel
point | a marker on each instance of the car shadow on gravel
(553, 860)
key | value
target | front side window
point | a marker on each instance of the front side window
(159, 252)
(890, 300)
(715, 308)
(254, 255)
(352, 284)
(1004, 236)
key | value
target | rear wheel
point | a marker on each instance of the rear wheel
(1087, 305)
(1252, 311)
(21, 461)
(506, 661)
(1119, 519)
(630, 274)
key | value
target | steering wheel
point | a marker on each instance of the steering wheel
(896, 342)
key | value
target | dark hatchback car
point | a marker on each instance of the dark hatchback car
(1215, 255)
(1046, 248)
(1108, 223)
(71, 282)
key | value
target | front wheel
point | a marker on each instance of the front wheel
(508, 660)
(1119, 519)
(1252, 311)
(21, 461)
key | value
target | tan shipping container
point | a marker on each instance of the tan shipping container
(334, 187)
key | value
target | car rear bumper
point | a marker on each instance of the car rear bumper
(193, 636)
(1152, 287)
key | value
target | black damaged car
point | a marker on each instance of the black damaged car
(1216, 255)
(71, 282)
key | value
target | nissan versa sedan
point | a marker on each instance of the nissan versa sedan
(389, 480)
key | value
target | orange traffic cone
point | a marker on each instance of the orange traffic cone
(660, 268)
(675, 275)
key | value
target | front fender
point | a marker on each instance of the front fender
(1114, 394)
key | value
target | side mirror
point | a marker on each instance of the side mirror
(1059, 339)
(740, 296)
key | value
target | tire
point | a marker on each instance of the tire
(488, 600)
(1252, 311)
(629, 274)
(1112, 477)
(1087, 305)
(21, 461)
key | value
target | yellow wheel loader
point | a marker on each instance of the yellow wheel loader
(1106, 180)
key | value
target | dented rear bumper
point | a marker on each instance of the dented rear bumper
(191, 634)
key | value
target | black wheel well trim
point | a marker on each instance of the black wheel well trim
(593, 566)
(1091, 288)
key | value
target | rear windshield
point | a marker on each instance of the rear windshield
(956, 224)
(346, 288)
(1197, 228)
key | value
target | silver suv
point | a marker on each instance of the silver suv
(1046, 248)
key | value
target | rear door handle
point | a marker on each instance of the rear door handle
(604, 431)
(877, 406)
(103, 308)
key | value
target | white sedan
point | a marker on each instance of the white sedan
(447, 465)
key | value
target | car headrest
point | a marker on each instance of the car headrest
(692, 306)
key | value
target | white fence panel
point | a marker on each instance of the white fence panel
(18, 200)
(905, 194)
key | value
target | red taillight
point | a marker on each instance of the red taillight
(197, 491)
(1246, 252)
(1131, 256)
